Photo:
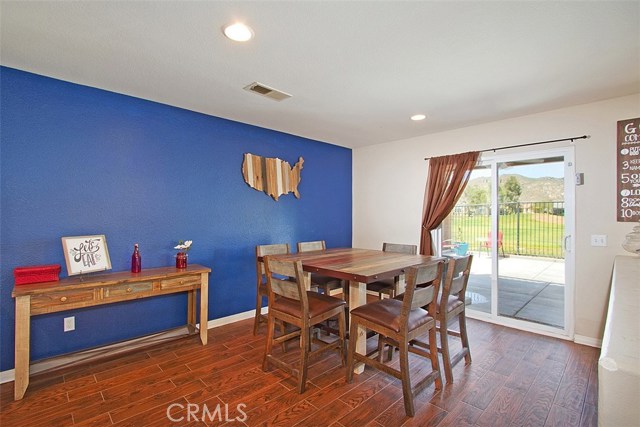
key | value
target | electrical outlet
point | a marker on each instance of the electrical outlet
(69, 323)
(598, 240)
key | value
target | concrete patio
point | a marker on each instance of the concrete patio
(529, 288)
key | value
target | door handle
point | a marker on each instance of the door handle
(566, 239)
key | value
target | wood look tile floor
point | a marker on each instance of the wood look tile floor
(516, 379)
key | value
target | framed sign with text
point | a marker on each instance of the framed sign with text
(85, 254)
(628, 178)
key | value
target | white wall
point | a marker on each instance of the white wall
(389, 181)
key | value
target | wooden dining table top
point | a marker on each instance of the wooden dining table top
(359, 265)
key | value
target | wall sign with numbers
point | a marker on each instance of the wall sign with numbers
(628, 170)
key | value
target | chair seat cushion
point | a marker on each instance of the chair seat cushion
(386, 313)
(318, 304)
(452, 303)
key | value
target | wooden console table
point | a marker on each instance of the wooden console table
(75, 292)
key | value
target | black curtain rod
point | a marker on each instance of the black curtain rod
(532, 143)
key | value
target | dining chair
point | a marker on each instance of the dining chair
(397, 323)
(388, 286)
(296, 306)
(325, 283)
(451, 305)
(261, 283)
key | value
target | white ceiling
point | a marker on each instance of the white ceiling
(356, 70)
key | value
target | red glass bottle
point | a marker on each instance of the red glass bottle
(181, 260)
(136, 260)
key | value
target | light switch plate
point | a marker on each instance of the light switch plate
(598, 240)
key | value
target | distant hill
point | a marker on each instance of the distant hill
(545, 189)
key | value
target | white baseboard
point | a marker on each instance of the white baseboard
(234, 318)
(7, 376)
(58, 361)
(591, 342)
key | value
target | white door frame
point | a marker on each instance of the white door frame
(493, 159)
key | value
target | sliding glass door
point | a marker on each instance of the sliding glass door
(516, 218)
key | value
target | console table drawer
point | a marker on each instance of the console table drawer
(180, 282)
(61, 300)
(123, 290)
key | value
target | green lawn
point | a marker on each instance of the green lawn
(535, 234)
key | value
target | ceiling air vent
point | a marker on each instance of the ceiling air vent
(267, 91)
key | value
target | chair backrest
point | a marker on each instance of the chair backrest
(500, 235)
(286, 279)
(423, 282)
(399, 248)
(455, 283)
(317, 245)
(263, 250)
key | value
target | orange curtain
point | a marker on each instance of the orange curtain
(448, 177)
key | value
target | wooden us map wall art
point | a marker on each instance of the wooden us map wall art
(271, 175)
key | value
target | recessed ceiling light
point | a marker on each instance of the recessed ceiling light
(418, 117)
(238, 32)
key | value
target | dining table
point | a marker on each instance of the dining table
(359, 267)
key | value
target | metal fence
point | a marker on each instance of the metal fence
(525, 228)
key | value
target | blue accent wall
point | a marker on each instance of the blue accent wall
(77, 160)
